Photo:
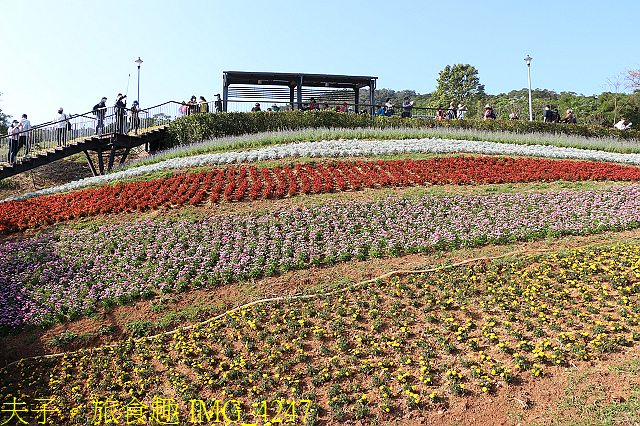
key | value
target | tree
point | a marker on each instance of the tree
(458, 83)
(615, 83)
(4, 121)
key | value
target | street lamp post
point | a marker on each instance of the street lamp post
(138, 61)
(528, 61)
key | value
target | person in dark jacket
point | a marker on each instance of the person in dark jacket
(120, 110)
(100, 111)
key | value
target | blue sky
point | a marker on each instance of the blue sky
(70, 53)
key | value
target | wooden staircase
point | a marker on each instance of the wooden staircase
(112, 143)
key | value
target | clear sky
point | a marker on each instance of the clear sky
(70, 53)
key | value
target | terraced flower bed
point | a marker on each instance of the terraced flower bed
(397, 348)
(241, 183)
(382, 349)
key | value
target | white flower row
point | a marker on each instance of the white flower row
(346, 148)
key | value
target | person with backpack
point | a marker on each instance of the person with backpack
(451, 112)
(100, 111)
(388, 107)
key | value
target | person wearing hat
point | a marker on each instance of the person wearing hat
(121, 113)
(13, 133)
(62, 120)
(275, 107)
(218, 103)
(256, 107)
(134, 117)
(488, 113)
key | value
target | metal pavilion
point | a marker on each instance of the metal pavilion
(295, 88)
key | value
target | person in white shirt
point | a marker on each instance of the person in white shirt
(25, 138)
(61, 127)
(462, 109)
(13, 141)
(622, 125)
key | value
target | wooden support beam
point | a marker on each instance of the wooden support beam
(100, 160)
(91, 166)
(124, 156)
(112, 155)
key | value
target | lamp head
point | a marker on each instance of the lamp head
(528, 60)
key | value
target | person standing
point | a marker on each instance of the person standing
(62, 120)
(439, 113)
(193, 105)
(256, 108)
(134, 117)
(120, 110)
(406, 108)
(25, 136)
(388, 107)
(204, 106)
(13, 131)
(451, 112)
(488, 113)
(548, 114)
(462, 109)
(218, 103)
(100, 111)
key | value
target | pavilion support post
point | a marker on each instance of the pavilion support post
(356, 89)
(372, 89)
(292, 94)
(300, 94)
(225, 93)
(91, 166)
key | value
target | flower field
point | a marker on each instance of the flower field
(399, 347)
(378, 349)
(241, 183)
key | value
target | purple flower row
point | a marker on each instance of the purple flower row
(59, 276)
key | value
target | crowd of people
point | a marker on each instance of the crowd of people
(19, 135)
(201, 106)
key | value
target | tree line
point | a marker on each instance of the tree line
(460, 84)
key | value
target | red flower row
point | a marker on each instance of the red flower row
(236, 184)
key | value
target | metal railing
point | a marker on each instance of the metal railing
(50, 136)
